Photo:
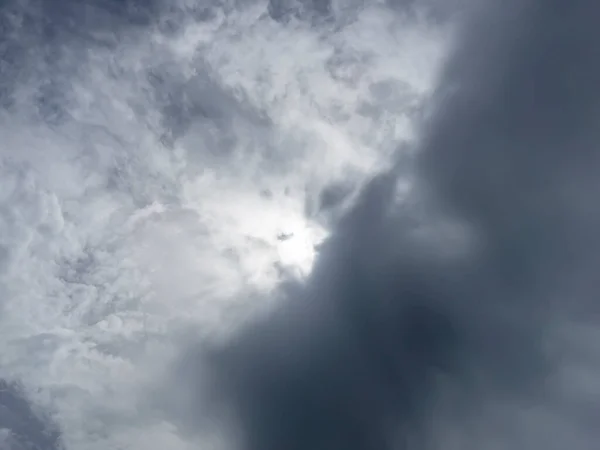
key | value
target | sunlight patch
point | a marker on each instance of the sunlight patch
(297, 247)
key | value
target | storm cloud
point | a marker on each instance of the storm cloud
(294, 224)
(447, 312)
(22, 427)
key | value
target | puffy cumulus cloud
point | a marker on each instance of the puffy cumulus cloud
(165, 168)
(462, 314)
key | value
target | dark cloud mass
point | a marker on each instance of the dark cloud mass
(447, 313)
(22, 427)
(391, 329)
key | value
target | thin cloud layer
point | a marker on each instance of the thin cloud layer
(451, 318)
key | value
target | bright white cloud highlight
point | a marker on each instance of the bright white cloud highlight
(180, 183)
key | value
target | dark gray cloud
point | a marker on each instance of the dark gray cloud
(320, 10)
(44, 43)
(389, 323)
(513, 149)
(283, 10)
(21, 426)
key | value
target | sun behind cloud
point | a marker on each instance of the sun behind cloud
(297, 246)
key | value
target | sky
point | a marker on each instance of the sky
(294, 224)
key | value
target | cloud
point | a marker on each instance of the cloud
(150, 161)
(148, 165)
(282, 10)
(404, 337)
(21, 427)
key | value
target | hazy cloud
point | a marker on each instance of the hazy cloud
(21, 427)
(151, 154)
(392, 344)
(170, 169)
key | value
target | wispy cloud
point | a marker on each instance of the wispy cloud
(150, 157)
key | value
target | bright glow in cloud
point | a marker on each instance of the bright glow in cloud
(165, 181)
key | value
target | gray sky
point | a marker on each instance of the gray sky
(433, 172)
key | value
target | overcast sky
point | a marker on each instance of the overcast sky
(357, 225)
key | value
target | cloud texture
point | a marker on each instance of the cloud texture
(150, 161)
(443, 319)
(296, 224)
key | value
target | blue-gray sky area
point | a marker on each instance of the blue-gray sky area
(299, 224)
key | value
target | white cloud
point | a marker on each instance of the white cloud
(115, 240)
